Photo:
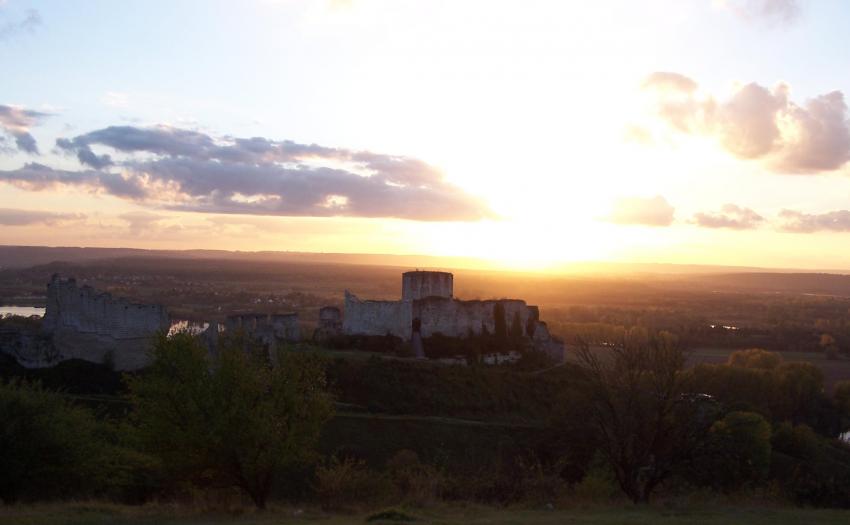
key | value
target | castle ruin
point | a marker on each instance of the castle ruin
(86, 324)
(428, 307)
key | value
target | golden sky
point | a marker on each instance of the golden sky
(527, 132)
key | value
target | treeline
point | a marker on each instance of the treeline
(239, 424)
(782, 323)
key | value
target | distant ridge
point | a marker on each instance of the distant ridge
(26, 256)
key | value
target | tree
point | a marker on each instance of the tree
(233, 419)
(841, 395)
(634, 388)
(500, 324)
(755, 358)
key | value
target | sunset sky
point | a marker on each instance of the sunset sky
(531, 133)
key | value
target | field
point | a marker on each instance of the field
(103, 514)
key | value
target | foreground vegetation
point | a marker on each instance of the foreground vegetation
(241, 427)
(715, 514)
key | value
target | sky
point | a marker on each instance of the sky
(527, 132)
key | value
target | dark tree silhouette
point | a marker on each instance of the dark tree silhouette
(634, 387)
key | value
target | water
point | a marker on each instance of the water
(24, 311)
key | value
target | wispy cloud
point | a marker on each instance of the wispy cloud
(770, 12)
(28, 24)
(646, 211)
(798, 222)
(730, 216)
(15, 217)
(16, 122)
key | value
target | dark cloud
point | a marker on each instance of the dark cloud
(647, 211)
(730, 216)
(761, 123)
(187, 170)
(13, 217)
(35, 177)
(16, 122)
(28, 24)
(798, 222)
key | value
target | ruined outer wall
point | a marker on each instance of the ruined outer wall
(455, 318)
(84, 310)
(87, 324)
(376, 317)
(419, 285)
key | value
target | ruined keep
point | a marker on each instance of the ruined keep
(428, 307)
(86, 324)
(422, 284)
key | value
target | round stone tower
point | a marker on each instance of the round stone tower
(422, 284)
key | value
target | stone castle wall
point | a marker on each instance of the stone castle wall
(90, 325)
(377, 317)
(270, 328)
(455, 318)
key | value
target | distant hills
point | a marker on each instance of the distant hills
(667, 276)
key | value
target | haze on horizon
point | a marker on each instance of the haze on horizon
(526, 132)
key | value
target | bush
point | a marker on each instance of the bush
(349, 484)
(597, 486)
(812, 470)
(231, 421)
(735, 454)
(50, 448)
(417, 483)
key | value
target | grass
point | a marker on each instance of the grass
(103, 514)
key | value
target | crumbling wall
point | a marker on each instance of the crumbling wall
(376, 317)
(97, 327)
(455, 318)
(544, 342)
(284, 327)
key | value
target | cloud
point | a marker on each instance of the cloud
(180, 169)
(28, 24)
(760, 123)
(16, 122)
(648, 211)
(772, 12)
(730, 216)
(13, 217)
(798, 222)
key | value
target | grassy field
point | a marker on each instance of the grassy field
(103, 514)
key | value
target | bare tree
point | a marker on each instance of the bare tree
(634, 387)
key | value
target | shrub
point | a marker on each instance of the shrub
(234, 420)
(597, 486)
(736, 452)
(50, 447)
(349, 484)
(417, 483)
